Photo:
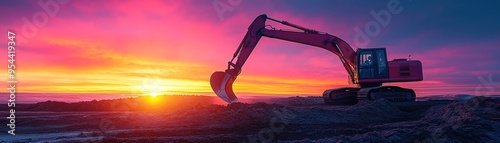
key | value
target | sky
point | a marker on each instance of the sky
(128, 48)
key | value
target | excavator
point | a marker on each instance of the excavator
(367, 67)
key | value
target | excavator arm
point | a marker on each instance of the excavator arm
(221, 82)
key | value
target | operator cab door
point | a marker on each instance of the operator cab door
(372, 63)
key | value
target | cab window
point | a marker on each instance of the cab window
(382, 63)
(366, 59)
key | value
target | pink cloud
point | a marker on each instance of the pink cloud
(90, 34)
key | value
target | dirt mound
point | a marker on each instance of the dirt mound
(474, 120)
(298, 101)
(477, 119)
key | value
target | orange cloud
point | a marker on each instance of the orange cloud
(119, 46)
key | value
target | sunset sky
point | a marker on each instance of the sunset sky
(172, 47)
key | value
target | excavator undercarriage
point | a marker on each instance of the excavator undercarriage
(353, 95)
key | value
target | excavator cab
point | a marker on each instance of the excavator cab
(372, 63)
(373, 68)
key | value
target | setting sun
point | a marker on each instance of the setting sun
(153, 87)
(154, 94)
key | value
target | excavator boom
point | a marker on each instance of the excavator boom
(221, 82)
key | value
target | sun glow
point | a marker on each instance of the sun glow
(153, 87)
(154, 94)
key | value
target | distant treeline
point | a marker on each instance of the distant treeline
(142, 103)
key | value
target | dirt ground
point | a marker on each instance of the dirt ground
(294, 119)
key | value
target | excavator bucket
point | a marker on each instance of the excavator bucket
(222, 84)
